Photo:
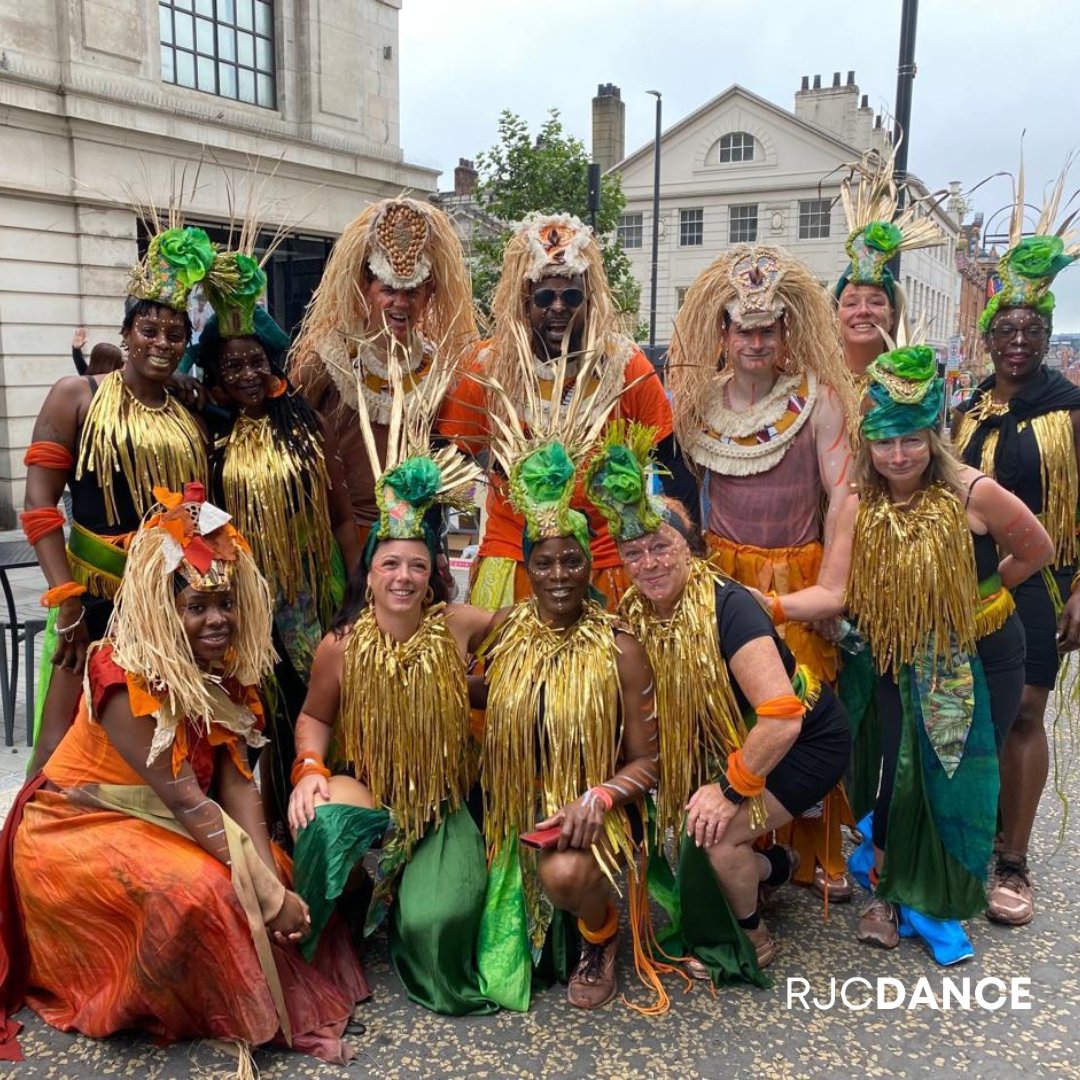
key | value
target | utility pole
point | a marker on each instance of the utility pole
(905, 76)
(655, 225)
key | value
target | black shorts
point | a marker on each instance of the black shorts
(1036, 611)
(817, 761)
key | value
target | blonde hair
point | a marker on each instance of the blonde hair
(944, 467)
(339, 304)
(812, 335)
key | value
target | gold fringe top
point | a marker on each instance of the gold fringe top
(160, 446)
(280, 504)
(699, 718)
(552, 721)
(404, 719)
(920, 586)
(1058, 478)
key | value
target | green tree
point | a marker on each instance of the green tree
(548, 173)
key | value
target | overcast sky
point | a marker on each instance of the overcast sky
(987, 69)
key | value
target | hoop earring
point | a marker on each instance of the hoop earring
(369, 596)
(429, 596)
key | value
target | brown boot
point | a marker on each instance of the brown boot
(879, 924)
(594, 982)
(764, 944)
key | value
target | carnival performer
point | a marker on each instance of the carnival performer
(748, 738)
(554, 294)
(132, 898)
(871, 301)
(1021, 427)
(279, 475)
(389, 701)
(933, 600)
(761, 399)
(110, 441)
(570, 741)
(868, 298)
(396, 280)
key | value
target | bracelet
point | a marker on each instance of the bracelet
(68, 632)
(55, 596)
(729, 793)
(741, 778)
(308, 765)
(779, 616)
(598, 794)
(40, 522)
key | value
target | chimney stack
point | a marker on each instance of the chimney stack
(608, 126)
(817, 82)
(805, 82)
(464, 178)
(851, 78)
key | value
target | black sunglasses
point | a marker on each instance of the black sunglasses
(572, 298)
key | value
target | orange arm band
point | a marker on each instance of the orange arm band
(55, 596)
(779, 616)
(41, 522)
(50, 455)
(741, 778)
(784, 707)
(306, 765)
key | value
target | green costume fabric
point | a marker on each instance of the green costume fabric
(937, 862)
(436, 912)
(905, 393)
(701, 922)
(857, 691)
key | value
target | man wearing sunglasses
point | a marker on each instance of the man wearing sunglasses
(553, 301)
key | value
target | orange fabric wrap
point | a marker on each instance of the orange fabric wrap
(741, 778)
(55, 596)
(784, 707)
(49, 455)
(40, 522)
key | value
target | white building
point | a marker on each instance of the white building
(743, 169)
(108, 99)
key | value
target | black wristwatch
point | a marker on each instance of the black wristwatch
(729, 792)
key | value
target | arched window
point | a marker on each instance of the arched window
(736, 146)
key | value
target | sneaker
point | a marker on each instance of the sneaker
(594, 982)
(840, 887)
(764, 944)
(1010, 901)
(879, 924)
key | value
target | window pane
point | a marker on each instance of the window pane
(165, 24)
(264, 18)
(226, 39)
(204, 36)
(264, 54)
(185, 31)
(204, 7)
(227, 80)
(206, 74)
(265, 84)
(168, 74)
(227, 11)
(185, 69)
(244, 15)
(245, 49)
(247, 85)
(182, 5)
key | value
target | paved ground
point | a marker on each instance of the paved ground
(738, 1033)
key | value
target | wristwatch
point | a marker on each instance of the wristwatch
(729, 792)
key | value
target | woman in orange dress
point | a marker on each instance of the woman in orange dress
(129, 898)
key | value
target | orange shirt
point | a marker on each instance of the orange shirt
(464, 419)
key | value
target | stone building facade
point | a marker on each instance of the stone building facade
(109, 101)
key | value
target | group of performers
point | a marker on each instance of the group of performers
(268, 726)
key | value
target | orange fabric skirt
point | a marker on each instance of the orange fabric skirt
(131, 926)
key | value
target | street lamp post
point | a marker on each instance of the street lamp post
(905, 76)
(655, 225)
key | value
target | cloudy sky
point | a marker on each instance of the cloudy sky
(987, 70)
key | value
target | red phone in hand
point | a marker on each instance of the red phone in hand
(543, 839)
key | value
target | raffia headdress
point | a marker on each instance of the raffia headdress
(876, 231)
(1027, 270)
(756, 279)
(617, 481)
(404, 243)
(188, 541)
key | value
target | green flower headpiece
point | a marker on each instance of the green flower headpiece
(617, 481)
(905, 393)
(870, 250)
(234, 294)
(176, 260)
(404, 495)
(1026, 272)
(541, 487)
